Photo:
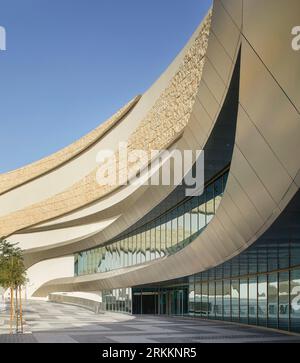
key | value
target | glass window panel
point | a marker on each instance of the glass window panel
(187, 221)
(157, 240)
(262, 258)
(227, 299)
(210, 205)
(163, 241)
(143, 247)
(198, 295)
(272, 256)
(243, 264)
(284, 300)
(113, 255)
(174, 228)
(202, 212)
(212, 274)
(253, 301)
(262, 300)
(219, 272)
(80, 264)
(212, 300)
(273, 301)
(180, 224)
(244, 301)
(118, 258)
(191, 296)
(122, 243)
(295, 250)
(169, 233)
(106, 258)
(148, 244)
(126, 248)
(134, 249)
(295, 301)
(76, 259)
(100, 262)
(194, 215)
(252, 259)
(235, 267)
(219, 300)
(130, 254)
(88, 262)
(284, 254)
(204, 299)
(235, 300)
(92, 261)
(227, 269)
(138, 248)
(110, 260)
(153, 242)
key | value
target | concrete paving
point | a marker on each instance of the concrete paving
(54, 323)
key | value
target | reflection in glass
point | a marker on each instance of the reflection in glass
(167, 234)
(143, 247)
(253, 301)
(273, 301)
(187, 221)
(295, 300)
(198, 292)
(204, 299)
(210, 204)
(235, 300)
(174, 228)
(284, 301)
(212, 299)
(244, 301)
(227, 300)
(219, 300)
(163, 240)
(262, 300)
(191, 296)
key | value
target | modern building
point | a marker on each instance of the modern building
(232, 253)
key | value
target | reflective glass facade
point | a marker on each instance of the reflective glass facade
(118, 300)
(261, 286)
(268, 299)
(163, 236)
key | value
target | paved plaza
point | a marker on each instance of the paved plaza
(54, 323)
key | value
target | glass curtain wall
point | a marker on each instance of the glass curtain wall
(165, 235)
(118, 300)
(243, 290)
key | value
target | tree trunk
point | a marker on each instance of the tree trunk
(11, 309)
(21, 309)
(17, 311)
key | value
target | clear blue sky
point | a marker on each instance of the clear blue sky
(70, 64)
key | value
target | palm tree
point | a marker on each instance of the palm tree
(13, 277)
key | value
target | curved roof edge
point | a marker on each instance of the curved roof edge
(26, 174)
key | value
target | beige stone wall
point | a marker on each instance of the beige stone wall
(161, 127)
(23, 175)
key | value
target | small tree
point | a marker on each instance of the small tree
(13, 277)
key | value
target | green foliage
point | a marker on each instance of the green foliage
(12, 268)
